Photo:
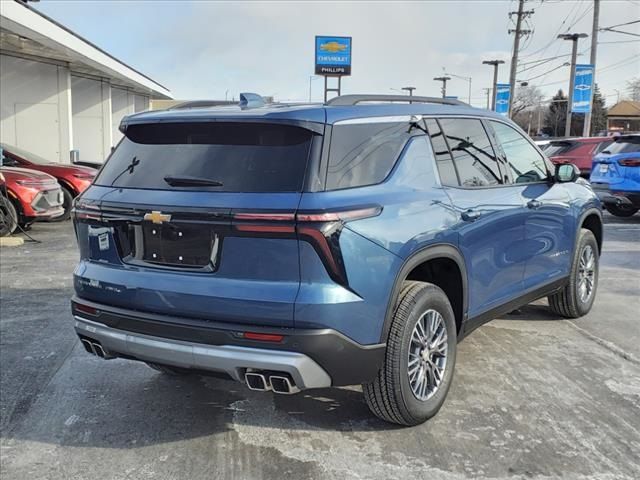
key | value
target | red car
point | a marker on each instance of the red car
(73, 179)
(579, 151)
(27, 196)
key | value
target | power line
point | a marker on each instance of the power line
(620, 24)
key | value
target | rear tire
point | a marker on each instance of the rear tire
(577, 297)
(415, 377)
(621, 211)
(168, 370)
(66, 204)
(8, 217)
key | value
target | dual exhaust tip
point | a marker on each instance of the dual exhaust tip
(278, 382)
(95, 348)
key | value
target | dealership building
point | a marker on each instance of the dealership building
(59, 93)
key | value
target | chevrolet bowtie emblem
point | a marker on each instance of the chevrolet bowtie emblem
(157, 217)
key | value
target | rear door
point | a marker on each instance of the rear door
(491, 228)
(197, 220)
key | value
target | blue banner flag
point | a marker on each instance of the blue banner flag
(503, 92)
(333, 55)
(581, 102)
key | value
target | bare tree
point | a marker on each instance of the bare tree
(526, 98)
(633, 89)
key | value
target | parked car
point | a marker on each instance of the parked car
(29, 196)
(299, 247)
(578, 151)
(73, 179)
(616, 176)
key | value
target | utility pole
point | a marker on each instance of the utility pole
(519, 32)
(488, 92)
(495, 64)
(444, 84)
(574, 52)
(586, 132)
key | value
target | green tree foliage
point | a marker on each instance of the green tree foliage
(556, 115)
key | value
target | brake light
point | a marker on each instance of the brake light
(262, 337)
(630, 162)
(319, 228)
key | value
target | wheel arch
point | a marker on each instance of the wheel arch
(66, 184)
(423, 257)
(591, 219)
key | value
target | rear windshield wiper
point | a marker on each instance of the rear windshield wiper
(185, 181)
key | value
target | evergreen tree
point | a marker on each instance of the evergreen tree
(599, 112)
(556, 115)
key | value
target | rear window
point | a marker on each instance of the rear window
(241, 157)
(627, 145)
(558, 148)
(364, 153)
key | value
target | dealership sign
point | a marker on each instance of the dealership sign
(581, 102)
(333, 55)
(503, 92)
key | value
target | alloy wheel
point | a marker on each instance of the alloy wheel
(427, 355)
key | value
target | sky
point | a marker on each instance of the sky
(213, 50)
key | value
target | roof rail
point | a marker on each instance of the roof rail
(201, 104)
(350, 100)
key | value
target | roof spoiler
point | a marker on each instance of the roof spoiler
(350, 100)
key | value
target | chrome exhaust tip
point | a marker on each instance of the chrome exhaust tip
(88, 346)
(283, 385)
(99, 350)
(257, 381)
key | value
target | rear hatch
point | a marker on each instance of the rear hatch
(615, 162)
(197, 219)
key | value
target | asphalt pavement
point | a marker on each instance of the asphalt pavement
(534, 396)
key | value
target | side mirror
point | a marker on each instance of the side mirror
(566, 173)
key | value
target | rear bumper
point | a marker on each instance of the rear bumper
(610, 196)
(314, 358)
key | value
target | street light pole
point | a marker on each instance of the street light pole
(444, 84)
(468, 79)
(410, 90)
(495, 64)
(572, 78)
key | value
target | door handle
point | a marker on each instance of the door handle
(533, 204)
(470, 215)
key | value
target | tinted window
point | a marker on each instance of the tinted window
(473, 155)
(558, 148)
(244, 157)
(443, 156)
(601, 146)
(525, 163)
(627, 145)
(364, 153)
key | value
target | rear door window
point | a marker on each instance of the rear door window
(237, 157)
(364, 153)
(473, 155)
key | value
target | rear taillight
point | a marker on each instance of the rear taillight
(319, 228)
(630, 162)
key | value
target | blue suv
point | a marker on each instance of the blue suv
(615, 175)
(305, 246)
